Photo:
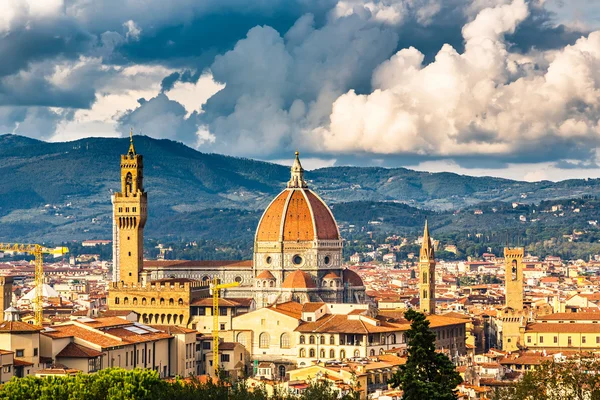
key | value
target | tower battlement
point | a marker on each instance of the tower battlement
(514, 252)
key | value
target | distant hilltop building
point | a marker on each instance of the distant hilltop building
(297, 257)
(92, 243)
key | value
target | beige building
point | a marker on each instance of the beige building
(6, 365)
(367, 376)
(234, 360)
(24, 340)
(291, 335)
(564, 332)
(89, 345)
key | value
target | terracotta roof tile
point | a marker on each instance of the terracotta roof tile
(298, 280)
(265, 275)
(562, 328)
(73, 350)
(311, 307)
(291, 309)
(18, 327)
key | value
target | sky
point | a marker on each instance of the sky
(507, 88)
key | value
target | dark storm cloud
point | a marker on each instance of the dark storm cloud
(283, 62)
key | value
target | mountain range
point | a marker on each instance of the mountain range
(61, 191)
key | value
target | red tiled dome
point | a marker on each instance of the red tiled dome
(331, 275)
(297, 214)
(265, 275)
(352, 278)
(298, 280)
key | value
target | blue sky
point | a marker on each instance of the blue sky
(506, 88)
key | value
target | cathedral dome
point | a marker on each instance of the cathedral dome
(352, 279)
(297, 214)
(298, 280)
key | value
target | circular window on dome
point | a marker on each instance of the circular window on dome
(327, 260)
(297, 260)
(238, 279)
(268, 260)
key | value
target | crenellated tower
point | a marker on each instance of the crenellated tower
(427, 274)
(130, 209)
(513, 261)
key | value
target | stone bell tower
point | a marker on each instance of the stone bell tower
(130, 213)
(427, 274)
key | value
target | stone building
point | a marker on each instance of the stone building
(297, 257)
(160, 301)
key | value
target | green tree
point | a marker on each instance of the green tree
(427, 374)
(138, 384)
(575, 378)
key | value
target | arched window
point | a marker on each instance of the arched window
(117, 300)
(356, 353)
(342, 354)
(322, 339)
(302, 353)
(272, 284)
(424, 277)
(264, 340)
(424, 293)
(281, 372)
(171, 302)
(135, 301)
(332, 339)
(126, 300)
(302, 339)
(162, 301)
(380, 351)
(371, 353)
(284, 341)
(332, 353)
(393, 338)
(241, 338)
(311, 339)
(180, 302)
(153, 301)
(128, 183)
(322, 353)
(331, 284)
(311, 353)
(144, 301)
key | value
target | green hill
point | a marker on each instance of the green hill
(61, 191)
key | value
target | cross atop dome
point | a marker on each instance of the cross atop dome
(297, 179)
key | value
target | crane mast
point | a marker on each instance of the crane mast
(216, 287)
(38, 252)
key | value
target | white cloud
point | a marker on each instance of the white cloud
(483, 101)
(133, 31)
(18, 13)
(193, 95)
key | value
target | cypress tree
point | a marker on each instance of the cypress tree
(427, 374)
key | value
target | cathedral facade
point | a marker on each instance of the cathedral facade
(297, 256)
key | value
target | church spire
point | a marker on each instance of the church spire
(297, 179)
(427, 247)
(131, 151)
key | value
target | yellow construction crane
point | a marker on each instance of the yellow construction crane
(216, 287)
(38, 252)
